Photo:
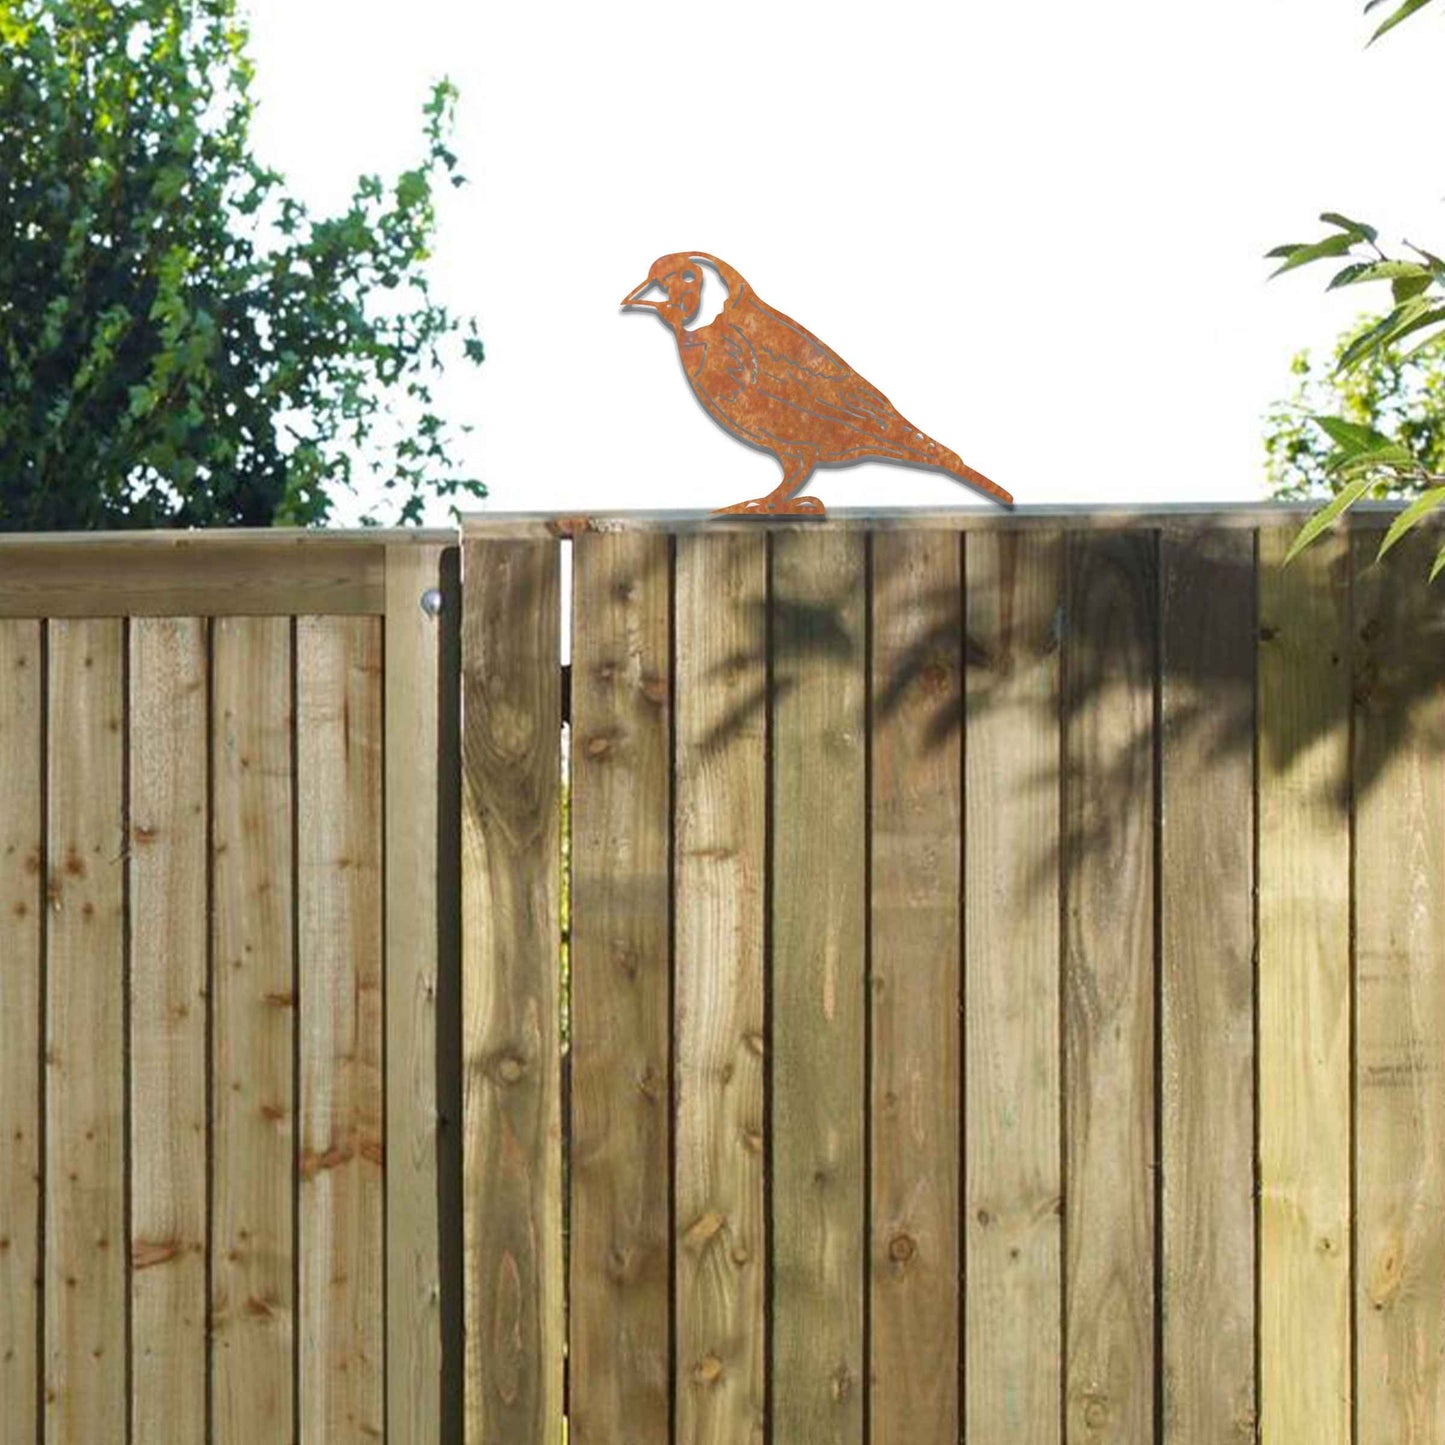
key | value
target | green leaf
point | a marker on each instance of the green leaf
(1381, 271)
(1402, 288)
(1423, 504)
(1356, 228)
(1349, 435)
(1439, 563)
(1337, 245)
(1406, 10)
(1326, 516)
(1401, 322)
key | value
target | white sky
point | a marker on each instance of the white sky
(1037, 227)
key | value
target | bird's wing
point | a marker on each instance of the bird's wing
(794, 363)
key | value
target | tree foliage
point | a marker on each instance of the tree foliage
(1363, 460)
(1389, 393)
(181, 342)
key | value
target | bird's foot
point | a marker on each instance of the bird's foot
(766, 507)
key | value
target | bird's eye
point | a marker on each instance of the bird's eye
(688, 277)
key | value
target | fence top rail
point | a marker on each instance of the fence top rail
(202, 539)
(1068, 515)
(222, 572)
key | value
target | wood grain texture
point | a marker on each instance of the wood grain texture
(1207, 985)
(253, 984)
(167, 845)
(414, 764)
(1025, 517)
(85, 1245)
(818, 610)
(340, 1186)
(1013, 1205)
(914, 824)
(621, 1007)
(141, 576)
(511, 700)
(1109, 666)
(1304, 1005)
(1399, 687)
(719, 898)
(22, 852)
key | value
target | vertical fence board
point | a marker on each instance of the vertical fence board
(719, 882)
(21, 900)
(1013, 1208)
(1400, 1007)
(917, 687)
(339, 1214)
(253, 987)
(511, 698)
(1108, 980)
(414, 770)
(1207, 985)
(167, 848)
(85, 1245)
(1304, 1012)
(621, 1085)
(818, 610)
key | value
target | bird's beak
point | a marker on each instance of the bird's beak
(634, 297)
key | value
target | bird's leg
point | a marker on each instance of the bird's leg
(797, 468)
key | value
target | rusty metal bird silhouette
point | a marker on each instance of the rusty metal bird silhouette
(773, 384)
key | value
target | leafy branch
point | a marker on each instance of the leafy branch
(1364, 460)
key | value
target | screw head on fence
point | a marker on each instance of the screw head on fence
(431, 602)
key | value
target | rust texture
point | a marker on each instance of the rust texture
(773, 384)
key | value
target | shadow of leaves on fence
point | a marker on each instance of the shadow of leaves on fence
(1155, 629)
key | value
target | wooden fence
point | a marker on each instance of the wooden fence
(1005, 995)
(223, 1188)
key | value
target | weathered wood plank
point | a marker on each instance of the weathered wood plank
(1012, 1218)
(1304, 1006)
(1399, 687)
(141, 577)
(415, 765)
(85, 1245)
(818, 610)
(1109, 671)
(1207, 985)
(719, 882)
(621, 1016)
(915, 827)
(511, 700)
(339, 1210)
(1047, 517)
(22, 850)
(253, 987)
(168, 875)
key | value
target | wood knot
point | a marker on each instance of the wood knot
(509, 1067)
(707, 1371)
(753, 1041)
(841, 1385)
(984, 1218)
(598, 746)
(703, 1229)
(901, 1248)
